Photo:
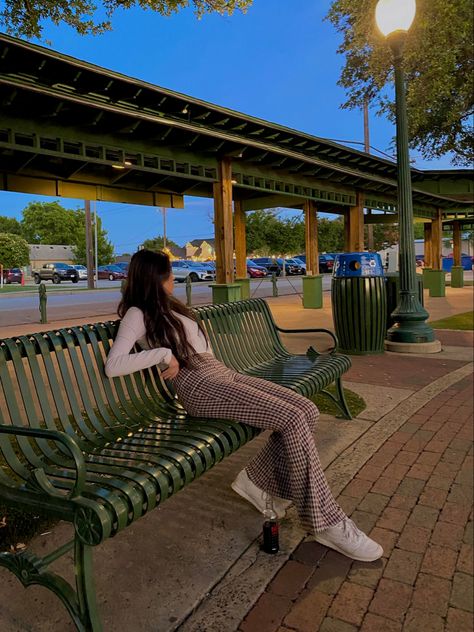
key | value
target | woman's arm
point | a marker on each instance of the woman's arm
(120, 361)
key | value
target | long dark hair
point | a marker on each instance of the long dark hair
(144, 289)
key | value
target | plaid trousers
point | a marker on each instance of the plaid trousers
(288, 465)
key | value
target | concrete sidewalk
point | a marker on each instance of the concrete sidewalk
(194, 565)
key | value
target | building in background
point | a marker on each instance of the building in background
(45, 253)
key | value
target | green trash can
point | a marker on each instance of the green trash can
(457, 276)
(393, 287)
(313, 291)
(359, 303)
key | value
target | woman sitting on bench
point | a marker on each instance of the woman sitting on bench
(288, 466)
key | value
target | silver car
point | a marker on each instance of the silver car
(193, 269)
(82, 271)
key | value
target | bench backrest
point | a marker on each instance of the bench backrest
(242, 334)
(56, 380)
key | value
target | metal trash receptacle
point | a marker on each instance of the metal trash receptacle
(359, 303)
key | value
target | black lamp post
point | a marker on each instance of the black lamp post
(394, 18)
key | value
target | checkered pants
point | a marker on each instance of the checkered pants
(288, 465)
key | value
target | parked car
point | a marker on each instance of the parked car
(195, 270)
(420, 260)
(270, 263)
(56, 272)
(12, 275)
(255, 271)
(111, 272)
(293, 266)
(82, 271)
(123, 265)
(326, 262)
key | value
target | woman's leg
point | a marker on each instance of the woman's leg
(288, 466)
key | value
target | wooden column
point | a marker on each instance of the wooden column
(311, 237)
(436, 241)
(427, 245)
(223, 223)
(347, 232)
(456, 243)
(356, 225)
(240, 241)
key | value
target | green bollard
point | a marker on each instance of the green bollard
(274, 284)
(123, 285)
(189, 291)
(42, 303)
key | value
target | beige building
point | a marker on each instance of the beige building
(42, 253)
(201, 249)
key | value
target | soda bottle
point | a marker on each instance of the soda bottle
(270, 528)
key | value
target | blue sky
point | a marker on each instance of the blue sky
(277, 62)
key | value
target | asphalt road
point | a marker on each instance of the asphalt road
(76, 302)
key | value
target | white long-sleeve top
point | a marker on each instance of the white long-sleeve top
(122, 361)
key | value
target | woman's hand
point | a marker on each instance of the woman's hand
(172, 370)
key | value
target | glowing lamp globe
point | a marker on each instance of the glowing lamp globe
(394, 15)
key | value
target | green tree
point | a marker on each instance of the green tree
(157, 243)
(331, 234)
(25, 19)
(14, 251)
(10, 225)
(51, 223)
(439, 70)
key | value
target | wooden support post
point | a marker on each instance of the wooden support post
(240, 241)
(89, 257)
(223, 223)
(427, 245)
(436, 241)
(311, 237)
(356, 225)
(456, 243)
(347, 224)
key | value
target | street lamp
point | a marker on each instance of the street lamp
(394, 18)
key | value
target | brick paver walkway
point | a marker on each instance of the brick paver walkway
(415, 497)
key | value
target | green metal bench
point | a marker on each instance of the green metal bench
(244, 336)
(95, 452)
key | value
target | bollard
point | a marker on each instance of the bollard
(274, 284)
(188, 290)
(42, 303)
(123, 285)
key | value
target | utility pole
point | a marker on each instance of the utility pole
(163, 210)
(89, 254)
(370, 227)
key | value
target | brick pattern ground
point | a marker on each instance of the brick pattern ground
(414, 496)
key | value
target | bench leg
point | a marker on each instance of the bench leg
(342, 399)
(32, 570)
(85, 587)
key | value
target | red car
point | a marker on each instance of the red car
(255, 271)
(112, 272)
(12, 275)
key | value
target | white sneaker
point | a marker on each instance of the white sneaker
(346, 538)
(248, 490)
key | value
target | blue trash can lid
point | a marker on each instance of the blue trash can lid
(358, 264)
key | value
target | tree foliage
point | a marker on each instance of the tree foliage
(25, 18)
(158, 243)
(438, 64)
(10, 225)
(51, 223)
(14, 251)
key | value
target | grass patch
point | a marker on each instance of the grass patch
(355, 402)
(459, 321)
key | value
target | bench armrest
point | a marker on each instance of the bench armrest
(311, 350)
(38, 476)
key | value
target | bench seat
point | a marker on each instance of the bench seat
(96, 452)
(245, 337)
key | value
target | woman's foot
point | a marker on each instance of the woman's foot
(248, 490)
(349, 540)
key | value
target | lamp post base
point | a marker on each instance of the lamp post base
(410, 347)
